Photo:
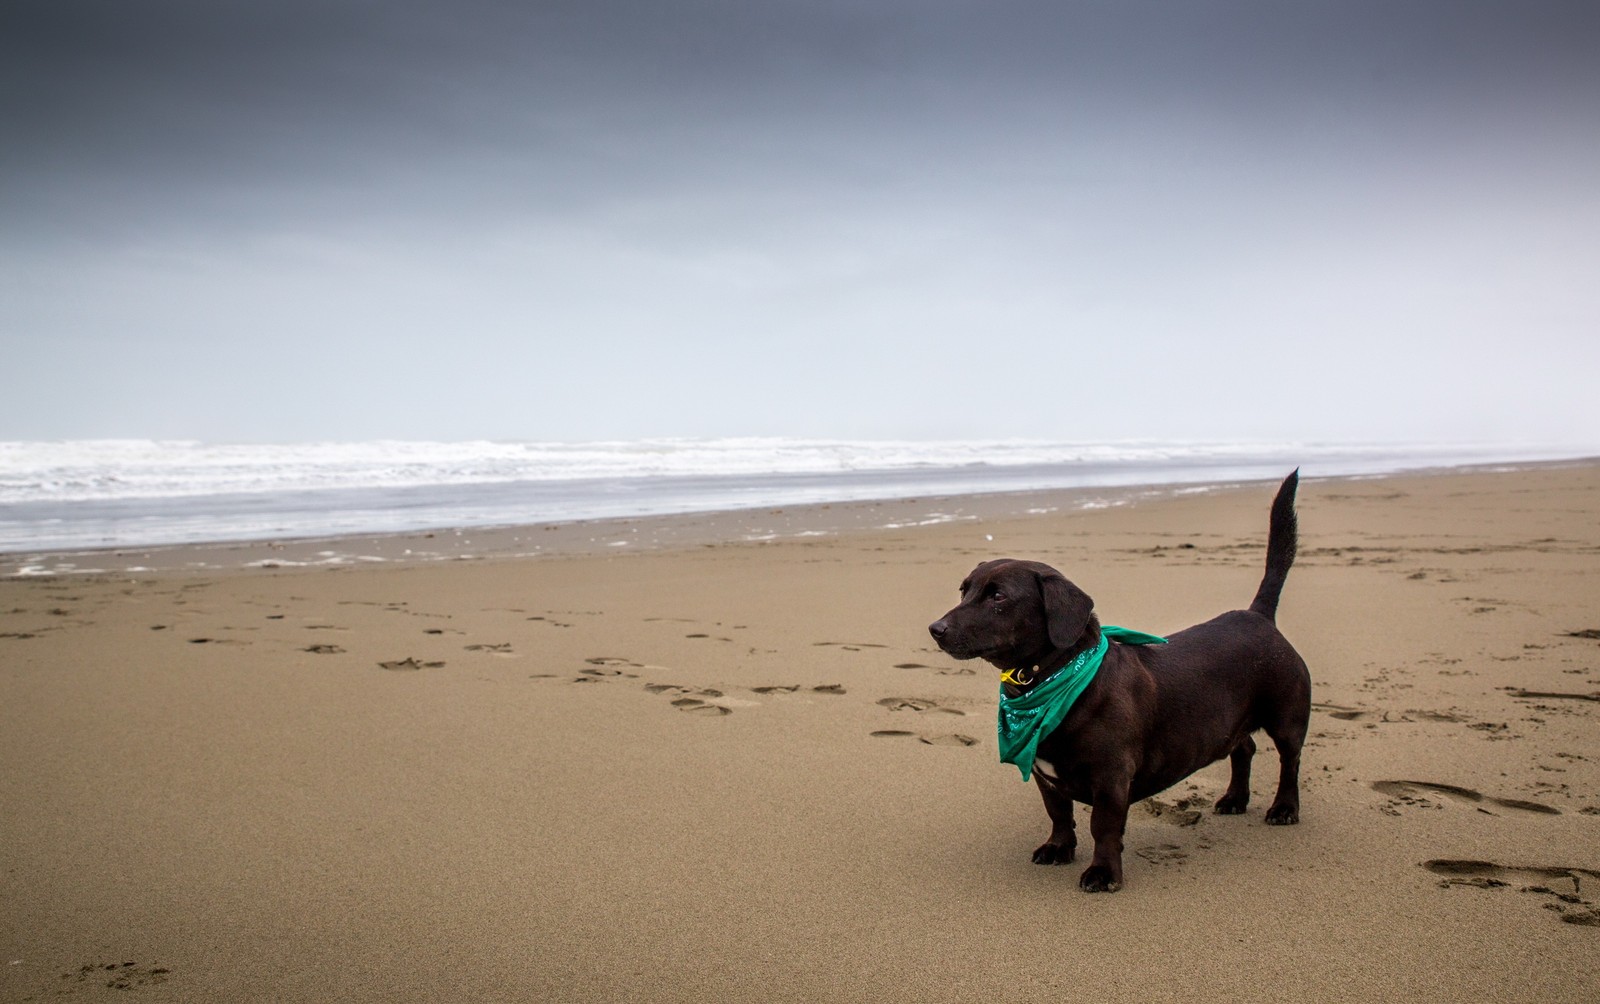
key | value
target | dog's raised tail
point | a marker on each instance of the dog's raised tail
(1281, 539)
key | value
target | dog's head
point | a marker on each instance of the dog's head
(1014, 614)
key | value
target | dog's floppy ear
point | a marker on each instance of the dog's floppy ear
(1066, 609)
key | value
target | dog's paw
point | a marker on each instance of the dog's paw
(1098, 878)
(1054, 854)
(1230, 805)
(1283, 815)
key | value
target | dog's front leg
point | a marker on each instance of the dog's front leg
(1062, 846)
(1107, 820)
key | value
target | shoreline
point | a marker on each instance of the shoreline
(636, 534)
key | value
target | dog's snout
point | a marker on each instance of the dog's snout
(938, 628)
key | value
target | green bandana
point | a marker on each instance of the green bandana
(1034, 714)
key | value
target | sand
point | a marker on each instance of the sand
(694, 766)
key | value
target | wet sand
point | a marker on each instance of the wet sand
(718, 757)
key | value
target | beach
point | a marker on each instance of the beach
(717, 757)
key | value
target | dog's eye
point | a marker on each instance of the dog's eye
(997, 596)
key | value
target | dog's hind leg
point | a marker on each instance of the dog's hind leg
(1063, 843)
(1289, 737)
(1237, 797)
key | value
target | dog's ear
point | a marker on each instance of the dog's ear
(1066, 609)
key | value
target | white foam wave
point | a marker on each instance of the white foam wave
(109, 469)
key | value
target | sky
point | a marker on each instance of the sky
(877, 219)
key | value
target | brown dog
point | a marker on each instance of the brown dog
(1153, 714)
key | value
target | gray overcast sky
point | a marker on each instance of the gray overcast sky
(325, 219)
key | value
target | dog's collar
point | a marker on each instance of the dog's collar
(1024, 720)
(1015, 677)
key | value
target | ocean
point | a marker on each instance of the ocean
(85, 494)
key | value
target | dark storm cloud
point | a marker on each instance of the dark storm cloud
(150, 112)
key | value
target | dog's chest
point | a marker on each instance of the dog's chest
(1063, 772)
(1062, 778)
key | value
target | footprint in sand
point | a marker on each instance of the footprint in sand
(702, 701)
(777, 689)
(1163, 854)
(550, 621)
(1410, 715)
(501, 649)
(848, 646)
(118, 975)
(918, 705)
(695, 706)
(1570, 906)
(409, 664)
(947, 739)
(829, 688)
(1180, 813)
(1546, 695)
(1411, 793)
(602, 666)
(323, 650)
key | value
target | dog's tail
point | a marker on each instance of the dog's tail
(1280, 548)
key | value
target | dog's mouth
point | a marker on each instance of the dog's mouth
(960, 648)
(994, 655)
(955, 651)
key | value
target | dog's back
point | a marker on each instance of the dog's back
(1219, 681)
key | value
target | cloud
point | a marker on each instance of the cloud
(794, 217)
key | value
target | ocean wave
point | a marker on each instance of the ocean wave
(113, 469)
(123, 493)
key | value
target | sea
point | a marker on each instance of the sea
(118, 493)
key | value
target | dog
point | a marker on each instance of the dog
(1153, 713)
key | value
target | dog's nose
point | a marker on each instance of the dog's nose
(938, 628)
